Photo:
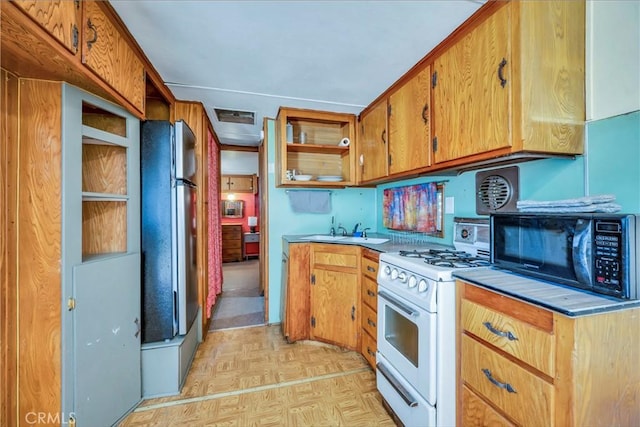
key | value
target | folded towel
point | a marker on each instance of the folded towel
(303, 201)
(601, 203)
(598, 207)
(581, 201)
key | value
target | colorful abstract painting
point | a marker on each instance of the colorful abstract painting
(411, 208)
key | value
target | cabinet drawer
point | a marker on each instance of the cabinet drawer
(368, 349)
(370, 268)
(476, 412)
(531, 397)
(369, 320)
(231, 244)
(252, 238)
(370, 292)
(231, 233)
(520, 339)
(335, 255)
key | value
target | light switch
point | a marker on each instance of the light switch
(448, 205)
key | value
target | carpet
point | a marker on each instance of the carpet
(240, 303)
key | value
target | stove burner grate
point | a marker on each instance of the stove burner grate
(446, 258)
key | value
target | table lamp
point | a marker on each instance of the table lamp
(252, 222)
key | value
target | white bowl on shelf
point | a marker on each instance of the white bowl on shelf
(303, 177)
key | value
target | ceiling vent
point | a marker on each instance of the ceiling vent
(235, 116)
(497, 190)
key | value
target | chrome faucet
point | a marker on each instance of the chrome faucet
(364, 232)
(344, 230)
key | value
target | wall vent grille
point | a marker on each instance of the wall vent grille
(497, 190)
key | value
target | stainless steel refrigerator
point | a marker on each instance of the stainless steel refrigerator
(169, 269)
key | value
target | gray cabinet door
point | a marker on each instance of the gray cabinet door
(106, 329)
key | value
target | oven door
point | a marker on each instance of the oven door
(407, 341)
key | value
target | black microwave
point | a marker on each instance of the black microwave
(596, 252)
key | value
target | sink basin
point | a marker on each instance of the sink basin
(369, 240)
(324, 238)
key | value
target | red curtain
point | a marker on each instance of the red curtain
(215, 228)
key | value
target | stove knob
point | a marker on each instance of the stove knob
(423, 286)
(387, 271)
(394, 274)
(403, 277)
(413, 281)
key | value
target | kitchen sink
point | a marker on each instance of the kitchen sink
(324, 238)
(369, 240)
(344, 239)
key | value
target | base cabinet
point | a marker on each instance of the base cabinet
(295, 291)
(335, 296)
(521, 364)
(369, 298)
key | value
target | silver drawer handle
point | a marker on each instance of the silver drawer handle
(508, 335)
(403, 392)
(497, 383)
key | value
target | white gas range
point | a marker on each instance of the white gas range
(416, 328)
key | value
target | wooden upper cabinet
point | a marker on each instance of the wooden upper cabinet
(108, 54)
(513, 84)
(58, 17)
(471, 105)
(372, 143)
(239, 184)
(409, 124)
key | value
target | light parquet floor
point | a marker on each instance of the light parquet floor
(253, 377)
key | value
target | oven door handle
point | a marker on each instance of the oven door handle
(406, 396)
(408, 310)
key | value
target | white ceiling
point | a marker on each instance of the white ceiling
(260, 55)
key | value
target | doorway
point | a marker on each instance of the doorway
(242, 302)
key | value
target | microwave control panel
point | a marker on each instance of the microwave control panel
(608, 254)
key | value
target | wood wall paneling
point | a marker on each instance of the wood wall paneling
(39, 239)
(8, 245)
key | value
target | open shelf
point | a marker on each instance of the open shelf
(105, 183)
(321, 153)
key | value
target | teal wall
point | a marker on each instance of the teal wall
(611, 165)
(348, 206)
(614, 159)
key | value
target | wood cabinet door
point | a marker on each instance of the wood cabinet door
(334, 311)
(295, 282)
(372, 144)
(470, 102)
(409, 124)
(59, 17)
(108, 54)
(241, 183)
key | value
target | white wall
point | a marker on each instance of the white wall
(238, 162)
(613, 58)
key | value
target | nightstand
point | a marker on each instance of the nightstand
(251, 245)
